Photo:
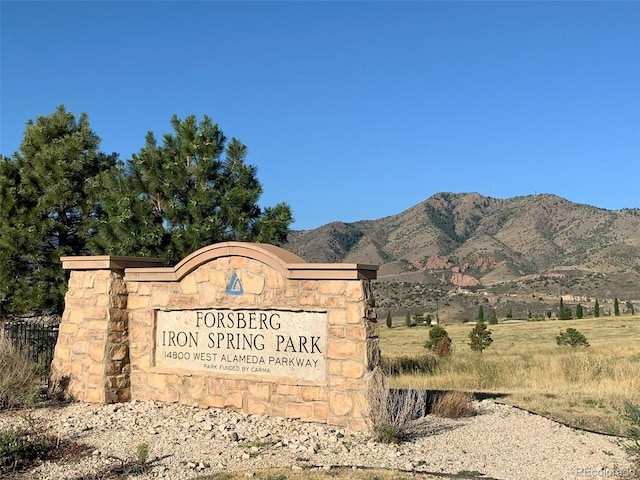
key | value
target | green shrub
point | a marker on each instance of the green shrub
(572, 337)
(630, 308)
(19, 447)
(436, 334)
(406, 365)
(140, 465)
(142, 452)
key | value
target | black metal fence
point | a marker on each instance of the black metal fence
(37, 335)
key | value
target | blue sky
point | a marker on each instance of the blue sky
(351, 110)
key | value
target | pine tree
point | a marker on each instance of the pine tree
(596, 309)
(616, 307)
(389, 320)
(15, 241)
(579, 312)
(407, 319)
(493, 318)
(193, 190)
(47, 209)
(480, 337)
(564, 312)
(480, 317)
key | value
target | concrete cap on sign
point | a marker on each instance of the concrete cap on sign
(288, 264)
(107, 262)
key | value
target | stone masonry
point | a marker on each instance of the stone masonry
(107, 343)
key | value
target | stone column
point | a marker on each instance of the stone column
(91, 359)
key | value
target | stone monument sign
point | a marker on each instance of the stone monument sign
(234, 325)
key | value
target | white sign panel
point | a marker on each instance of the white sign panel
(257, 342)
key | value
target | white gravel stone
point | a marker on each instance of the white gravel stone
(501, 442)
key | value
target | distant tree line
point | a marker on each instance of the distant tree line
(60, 195)
(565, 312)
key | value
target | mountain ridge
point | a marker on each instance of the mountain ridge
(467, 240)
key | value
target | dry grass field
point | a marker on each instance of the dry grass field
(582, 387)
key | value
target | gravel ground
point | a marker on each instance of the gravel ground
(501, 442)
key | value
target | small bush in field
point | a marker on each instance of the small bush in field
(436, 334)
(453, 404)
(572, 337)
(443, 348)
(408, 365)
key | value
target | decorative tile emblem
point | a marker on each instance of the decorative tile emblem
(235, 285)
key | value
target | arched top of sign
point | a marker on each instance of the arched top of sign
(276, 257)
(288, 264)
